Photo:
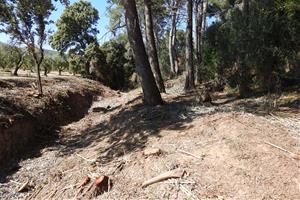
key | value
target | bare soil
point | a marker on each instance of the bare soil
(224, 149)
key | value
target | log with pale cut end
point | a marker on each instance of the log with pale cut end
(151, 151)
(176, 173)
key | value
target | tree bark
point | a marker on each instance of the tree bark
(202, 9)
(19, 63)
(190, 79)
(39, 80)
(172, 40)
(15, 73)
(153, 58)
(198, 25)
(38, 62)
(151, 93)
(245, 8)
(244, 88)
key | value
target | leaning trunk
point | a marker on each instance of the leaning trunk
(15, 73)
(153, 58)
(189, 82)
(150, 90)
(18, 64)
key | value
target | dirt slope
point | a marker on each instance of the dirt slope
(26, 118)
(223, 149)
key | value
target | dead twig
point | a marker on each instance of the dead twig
(23, 186)
(190, 154)
(89, 160)
(188, 192)
(35, 193)
(176, 173)
(293, 155)
(86, 191)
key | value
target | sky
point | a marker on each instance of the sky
(100, 5)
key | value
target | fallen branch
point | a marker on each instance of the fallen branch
(23, 186)
(84, 193)
(35, 193)
(190, 154)
(293, 155)
(89, 160)
(176, 173)
(188, 192)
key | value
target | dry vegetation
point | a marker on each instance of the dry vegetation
(226, 149)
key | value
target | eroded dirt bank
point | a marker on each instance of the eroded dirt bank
(26, 119)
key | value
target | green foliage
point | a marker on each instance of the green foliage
(120, 61)
(47, 65)
(76, 28)
(60, 64)
(265, 46)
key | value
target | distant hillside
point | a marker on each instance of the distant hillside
(48, 52)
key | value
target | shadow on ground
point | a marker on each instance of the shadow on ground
(130, 129)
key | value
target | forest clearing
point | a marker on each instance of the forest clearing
(224, 149)
(150, 99)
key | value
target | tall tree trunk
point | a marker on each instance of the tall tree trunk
(202, 10)
(172, 40)
(245, 8)
(198, 25)
(153, 58)
(244, 88)
(150, 90)
(190, 79)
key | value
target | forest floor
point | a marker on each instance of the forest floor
(229, 150)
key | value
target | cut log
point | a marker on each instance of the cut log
(176, 173)
(102, 184)
(152, 151)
